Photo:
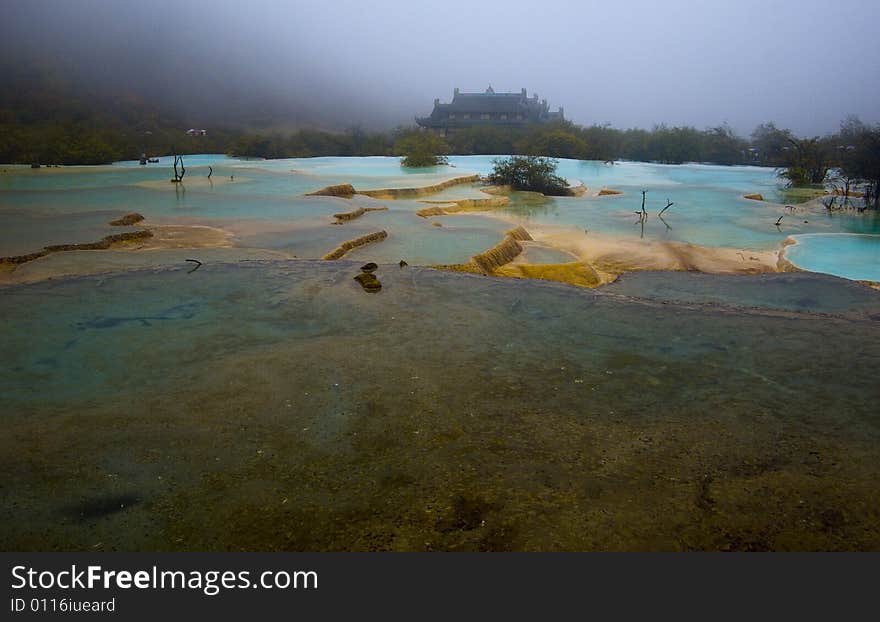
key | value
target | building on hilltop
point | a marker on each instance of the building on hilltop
(488, 108)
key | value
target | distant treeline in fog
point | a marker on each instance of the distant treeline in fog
(47, 119)
(51, 121)
(562, 139)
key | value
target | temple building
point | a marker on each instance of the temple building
(488, 108)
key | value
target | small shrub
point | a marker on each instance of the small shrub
(533, 173)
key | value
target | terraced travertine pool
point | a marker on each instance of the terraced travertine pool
(262, 205)
(266, 402)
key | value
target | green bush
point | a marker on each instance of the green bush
(534, 173)
(421, 149)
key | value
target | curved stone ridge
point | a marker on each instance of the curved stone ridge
(349, 245)
(340, 190)
(347, 190)
(454, 206)
(502, 253)
(127, 220)
(346, 216)
(519, 233)
(102, 244)
(402, 193)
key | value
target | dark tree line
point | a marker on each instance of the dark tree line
(848, 160)
(565, 139)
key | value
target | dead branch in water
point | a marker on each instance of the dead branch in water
(668, 205)
(780, 220)
(196, 267)
(178, 176)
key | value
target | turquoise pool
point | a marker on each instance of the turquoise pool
(262, 203)
(847, 255)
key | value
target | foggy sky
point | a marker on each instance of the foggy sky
(804, 64)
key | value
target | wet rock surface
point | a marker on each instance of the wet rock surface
(127, 220)
(368, 281)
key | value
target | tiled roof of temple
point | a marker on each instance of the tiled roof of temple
(489, 108)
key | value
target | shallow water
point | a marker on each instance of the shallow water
(264, 406)
(537, 254)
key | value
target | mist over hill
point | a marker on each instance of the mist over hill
(107, 73)
(337, 64)
(187, 62)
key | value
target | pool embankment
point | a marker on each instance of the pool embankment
(504, 252)
(490, 260)
(344, 217)
(347, 190)
(350, 245)
(110, 241)
(611, 256)
(148, 238)
(127, 220)
(578, 273)
(505, 190)
(420, 191)
(456, 206)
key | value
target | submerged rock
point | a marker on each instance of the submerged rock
(127, 220)
(369, 267)
(368, 281)
(754, 197)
